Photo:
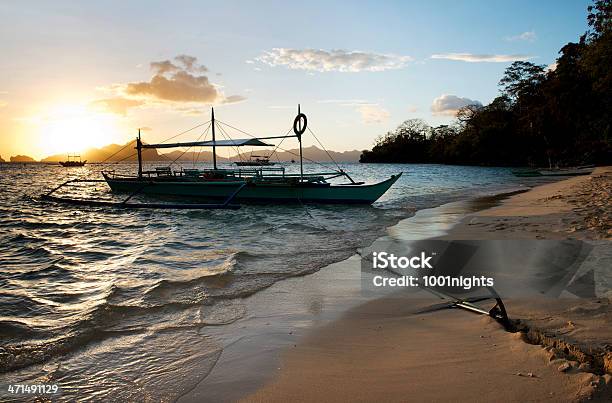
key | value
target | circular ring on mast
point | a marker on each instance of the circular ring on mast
(299, 124)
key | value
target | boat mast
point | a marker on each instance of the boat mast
(300, 141)
(139, 151)
(212, 119)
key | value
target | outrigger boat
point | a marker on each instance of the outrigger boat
(73, 162)
(262, 184)
(571, 171)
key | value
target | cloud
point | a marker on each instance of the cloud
(184, 62)
(370, 112)
(192, 111)
(373, 114)
(552, 66)
(179, 82)
(116, 105)
(163, 67)
(345, 102)
(528, 36)
(332, 60)
(412, 108)
(180, 86)
(232, 99)
(190, 63)
(472, 58)
(3, 104)
(449, 105)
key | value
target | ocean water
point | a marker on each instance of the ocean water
(136, 287)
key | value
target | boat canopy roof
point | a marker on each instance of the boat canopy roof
(210, 143)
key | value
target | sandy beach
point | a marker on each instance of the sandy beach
(381, 350)
(575, 208)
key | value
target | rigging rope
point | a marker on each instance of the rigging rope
(186, 131)
(309, 214)
(197, 157)
(123, 159)
(188, 148)
(224, 134)
(324, 149)
(127, 144)
(117, 152)
(278, 145)
(287, 151)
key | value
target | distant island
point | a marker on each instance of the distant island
(556, 115)
(22, 158)
(126, 152)
(111, 152)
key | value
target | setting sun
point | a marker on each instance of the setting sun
(72, 128)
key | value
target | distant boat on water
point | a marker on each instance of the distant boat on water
(570, 171)
(73, 162)
(256, 161)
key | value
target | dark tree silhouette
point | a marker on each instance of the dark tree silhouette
(557, 116)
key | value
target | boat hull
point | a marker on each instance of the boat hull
(566, 172)
(253, 164)
(554, 172)
(257, 192)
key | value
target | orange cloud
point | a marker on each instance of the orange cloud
(179, 81)
(181, 86)
(117, 105)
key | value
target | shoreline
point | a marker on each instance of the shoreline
(333, 290)
(574, 208)
(572, 331)
(326, 353)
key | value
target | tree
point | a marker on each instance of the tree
(599, 19)
(466, 113)
(542, 117)
(522, 79)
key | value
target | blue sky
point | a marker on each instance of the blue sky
(61, 59)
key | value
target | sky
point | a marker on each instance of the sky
(84, 74)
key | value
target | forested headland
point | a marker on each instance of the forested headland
(543, 116)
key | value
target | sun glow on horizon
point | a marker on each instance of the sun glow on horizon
(75, 128)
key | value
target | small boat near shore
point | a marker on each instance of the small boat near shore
(569, 171)
(226, 187)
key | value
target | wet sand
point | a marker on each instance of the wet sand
(279, 317)
(577, 208)
(381, 351)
